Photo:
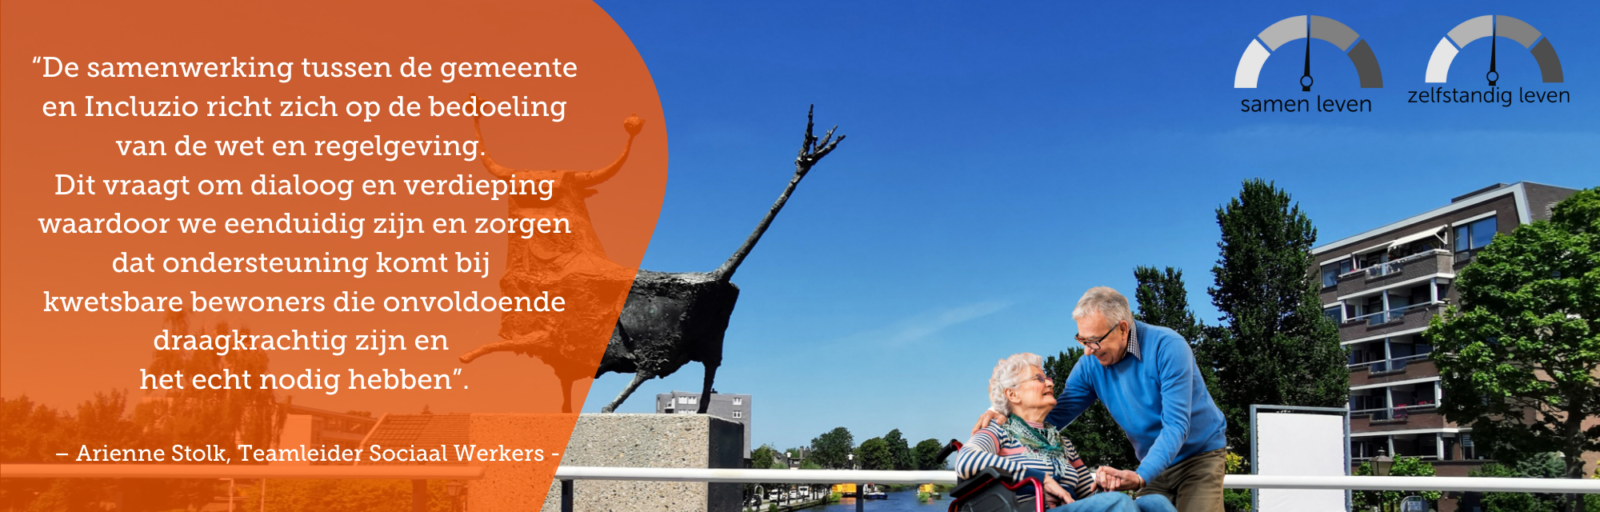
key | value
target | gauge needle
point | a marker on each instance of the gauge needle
(1305, 79)
(1493, 35)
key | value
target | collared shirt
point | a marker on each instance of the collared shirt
(1133, 342)
(1161, 404)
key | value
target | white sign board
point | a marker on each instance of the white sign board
(1300, 444)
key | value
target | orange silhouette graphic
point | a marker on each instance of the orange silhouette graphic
(572, 265)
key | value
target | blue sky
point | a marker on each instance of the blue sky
(1000, 162)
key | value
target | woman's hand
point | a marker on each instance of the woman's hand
(1054, 495)
(1108, 478)
(989, 416)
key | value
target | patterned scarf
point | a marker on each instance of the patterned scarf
(1042, 443)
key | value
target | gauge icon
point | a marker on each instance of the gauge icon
(1493, 27)
(1308, 28)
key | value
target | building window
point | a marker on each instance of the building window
(1332, 314)
(688, 399)
(1476, 235)
(738, 400)
(738, 414)
(1332, 271)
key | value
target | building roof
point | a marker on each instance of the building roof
(1518, 190)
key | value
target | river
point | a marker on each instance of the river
(898, 501)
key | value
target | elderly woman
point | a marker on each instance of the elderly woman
(1025, 445)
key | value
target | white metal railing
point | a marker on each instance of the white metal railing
(418, 475)
(757, 476)
(1385, 365)
(1386, 268)
(567, 474)
(1397, 265)
(1386, 316)
(240, 471)
(815, 476)
(1397, 412)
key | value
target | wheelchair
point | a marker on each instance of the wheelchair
(993, 490)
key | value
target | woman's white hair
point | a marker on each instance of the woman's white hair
(1010, 373)
(1107, 303)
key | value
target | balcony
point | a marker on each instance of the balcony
(1399, 369)
(1384, 322)
(1416, 265)
(1400, 417)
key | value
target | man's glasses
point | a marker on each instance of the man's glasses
(1098, 339)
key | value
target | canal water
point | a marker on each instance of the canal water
(898, 501)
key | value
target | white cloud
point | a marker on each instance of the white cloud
(926, 324)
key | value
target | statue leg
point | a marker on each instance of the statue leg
(566, 395)
(705, 393)
(638, 378)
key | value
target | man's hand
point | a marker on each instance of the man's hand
(989, 416)
(1054, 495)
(1112, 479)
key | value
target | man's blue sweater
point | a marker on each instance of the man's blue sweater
(1156, 396)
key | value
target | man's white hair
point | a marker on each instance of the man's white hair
(1010, 373)
(1107, 303)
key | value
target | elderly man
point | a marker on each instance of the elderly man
(1147, 378)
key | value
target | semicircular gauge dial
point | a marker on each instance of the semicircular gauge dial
(1493, 27)
(1307, 27)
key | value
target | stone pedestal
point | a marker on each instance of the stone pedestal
(652, 441)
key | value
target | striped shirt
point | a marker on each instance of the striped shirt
(993, 447)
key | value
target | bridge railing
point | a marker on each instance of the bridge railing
(418, 475)
(567, 474)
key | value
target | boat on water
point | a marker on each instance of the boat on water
(873, 492)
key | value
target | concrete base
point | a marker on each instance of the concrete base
(508, 486)
(652, 441)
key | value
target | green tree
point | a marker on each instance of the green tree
(1544, 465)
(875, 454)
(1095, 434)
(1518, 357)
(899, 452)
(1236, 500)
(924, 452)
(187, 416)
(763, 457)
(831, 449)
(1278, 348)
(1164, 301)
(30, 433)
(1390, 500)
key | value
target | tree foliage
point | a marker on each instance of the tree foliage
(763, 457)
(1389, 500)
(33, 433)
(1544, 465)
(831, 450)
(899, 451)
(1100, 441)
(875, 454)
(1277, 347)
(1164, 300)
(1519, 357)
(923, 453)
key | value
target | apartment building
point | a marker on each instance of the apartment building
(1382, 286)
(735, 408)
